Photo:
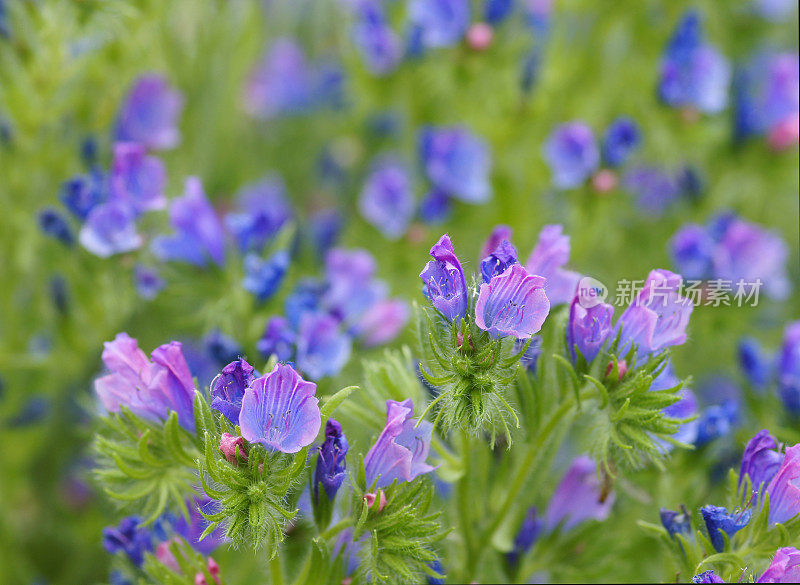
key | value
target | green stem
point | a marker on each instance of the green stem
(336, 528)
(464, 508)
(275, 571)
(444, 452)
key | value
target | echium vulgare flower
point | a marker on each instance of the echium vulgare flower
(495, 263)
(572, 154)
(707, 577)
(784, 488)
(130, 537)
(387, 200)
(137, 179)
(440, 23)
(192, 528)
(149, 114)
(548, 258)
(621, 138)
(784, 568)
(262, 211)
(789, 368)
(331, 464)
(149, 389)
(719, 519)
(761, 460)
(400, 451)
(579, 497)
(378, 44)
(279, 410)
(512, 304)
(444, 282)
(755, 363)
(457, 162)
(588, 327)
(228, 388)
(676, 522)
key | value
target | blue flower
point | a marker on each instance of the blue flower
(223, 348)
(456, 162)
(129, 537)
(435, 207)
(716, 421)
(676, 522)
(306, 297)
(495, 11)
(622, 137)
(148, 282)
(83, 193)
(387, 200)
(755, 364)
(136, 179)
(528, 533)
(351, 285)
(150, 113)
(718, 518)
(263, 212)
(655, 189)
(444, 283)
(693, 251)
(110, 229)
(512, 304)
(264, 277)
(707, 577)
(192, 528)
(228, 388)
(439, 23)
(278, 339)
(789, 368)
(322, 348)
(325, 227)
(54, 224)
(331, 464)
(400, 451)
(572, 154)
(380, 46)
(198, 231)
(495, 263)
(693, 73)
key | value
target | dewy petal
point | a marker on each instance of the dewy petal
(513, 303)
(279, 410)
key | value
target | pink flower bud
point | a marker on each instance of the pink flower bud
(622, 369)
(165, 556)
(604, 181)
(228, 444)
(785, 134)
(370, 499)
(479, 36)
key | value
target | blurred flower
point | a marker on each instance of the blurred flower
(775, 9)
(278, 339)
(263, 277)
(279, 410)
(658, 316)
(305, 298)
(83, 193)
(382, 322)
(716, 421)
(400, 451)
(784, 488)
(222, 348)
(199, 234)
(263, 212)
(380, 46)
(531, 356)
(228, 388)
(351, 285)
(547, 259)
(495, 263)
(655, 189)
(130, 537)
(435, 207)
(148, 282)
(331, 464)
(718, 518)
(622, 137)
(512, 304)
(588, 328)
(439, 23)
(571, 153)
(149, 389)
(325, 227)
(150, 114)
(676, 522)
(784, 568)
(192, 528)
(443, 280)
(110, 229)
(693, 73)
(754, 362)
(526, 536)
(498, 234)
(495, 11)
(387, 199)
(456, 162)
(760, 461)
(55, 225)
(479, 36)
(322, 349)
(136, 179)
(707, 577)
(578, 498)
(789, 368)
(685, 407)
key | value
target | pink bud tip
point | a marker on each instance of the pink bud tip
(785, 134)
(370, 499)
(622, 369)
(228, 444)
(165, 556)
(479, 36)
(604, 181)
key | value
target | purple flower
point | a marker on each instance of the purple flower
(306, 297)
(136, 179)
(322, 348)
(789, 368)
(622, 137)
(192, 528)
(499, 233)
(693, 252)
(150, 114)
(130, 537)
(658, 316)
(83, 193)
(401, 449)
(382, 322)
(548, 258)
(784, 568)
(719, 519)
(457, 162)
(526, 536)
(387, 200)
(716, 421)
(222, 348)
(282, 83)
(331, 464)
(495, 11)
(531, 356)
(766, 95)
(755, 364)
(278, 339)
(444, 282)
(761, 460)
(351, 286)
(54, 224)
(379, 44)
(588, 328)
(495, 263)
(578, 498)
(263, 212)
(198, 231)
(325, 227)
(685, 407)
(655, 189)
(676, 522)
(435, 207)
(110, 229)
(439, 23)
(784, 489)
(513, 303)
(572, 154)
(693, 73)
(707, 577)
(228, 388)
(150, 390)
(148, 282)
(264, 277)
(279, 410)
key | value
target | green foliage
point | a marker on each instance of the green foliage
(147, 467)
(191, 568)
